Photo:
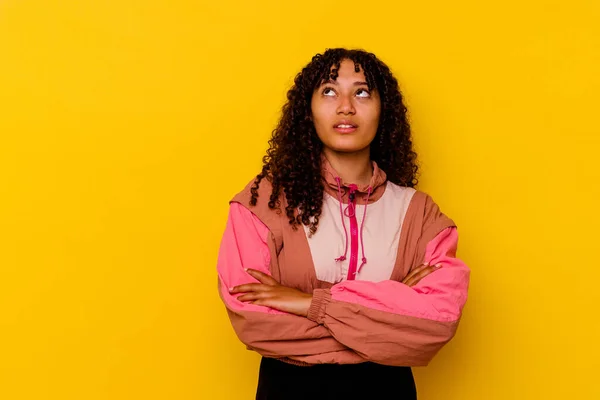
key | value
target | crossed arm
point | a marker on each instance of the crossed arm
(395, 323)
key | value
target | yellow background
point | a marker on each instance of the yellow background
(125, 127)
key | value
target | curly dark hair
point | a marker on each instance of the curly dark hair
(293, 160)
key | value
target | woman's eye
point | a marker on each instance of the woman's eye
(362, 93)
(328, 92)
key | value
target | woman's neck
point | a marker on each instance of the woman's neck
(353, 167)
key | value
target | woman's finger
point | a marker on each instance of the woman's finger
(422, 274)
(252, 296)
(262, 277)
(267, 302)
(261, 302)
(249, 287)
(413, 272)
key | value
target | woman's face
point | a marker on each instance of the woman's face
(345, 112)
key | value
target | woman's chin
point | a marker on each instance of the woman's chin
(348, 148)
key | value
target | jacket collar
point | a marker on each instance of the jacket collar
(331, 176)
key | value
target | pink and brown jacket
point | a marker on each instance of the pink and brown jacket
(368, 240)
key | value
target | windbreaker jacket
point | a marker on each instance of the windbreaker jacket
(368, 239)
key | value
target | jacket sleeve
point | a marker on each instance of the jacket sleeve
(391, 323)
(270, 332)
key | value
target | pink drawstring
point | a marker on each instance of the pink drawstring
(362, 224)
(350, 212)
(343, 257)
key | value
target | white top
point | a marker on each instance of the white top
(381, 235)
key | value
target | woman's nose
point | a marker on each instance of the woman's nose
(346, 106)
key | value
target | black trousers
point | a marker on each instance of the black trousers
(367, 381)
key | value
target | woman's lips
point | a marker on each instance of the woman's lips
(345, 128)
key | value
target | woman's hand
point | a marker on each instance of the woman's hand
(419, 273)
(270, 293)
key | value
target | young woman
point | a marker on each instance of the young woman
(332, 266)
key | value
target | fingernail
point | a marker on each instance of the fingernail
(438, 265)
(426, 264)
(231, 289)
(246, 269)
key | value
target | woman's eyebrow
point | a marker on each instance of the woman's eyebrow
(357, 83)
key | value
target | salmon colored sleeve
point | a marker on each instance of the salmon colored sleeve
(391, 323)
(270, 332)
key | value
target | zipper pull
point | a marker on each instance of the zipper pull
(352, 194)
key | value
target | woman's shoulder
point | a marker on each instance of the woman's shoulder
(400, 193)
(418, 202)
(263, 191)
(245, 195)
(414, 196)
(262, 188)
